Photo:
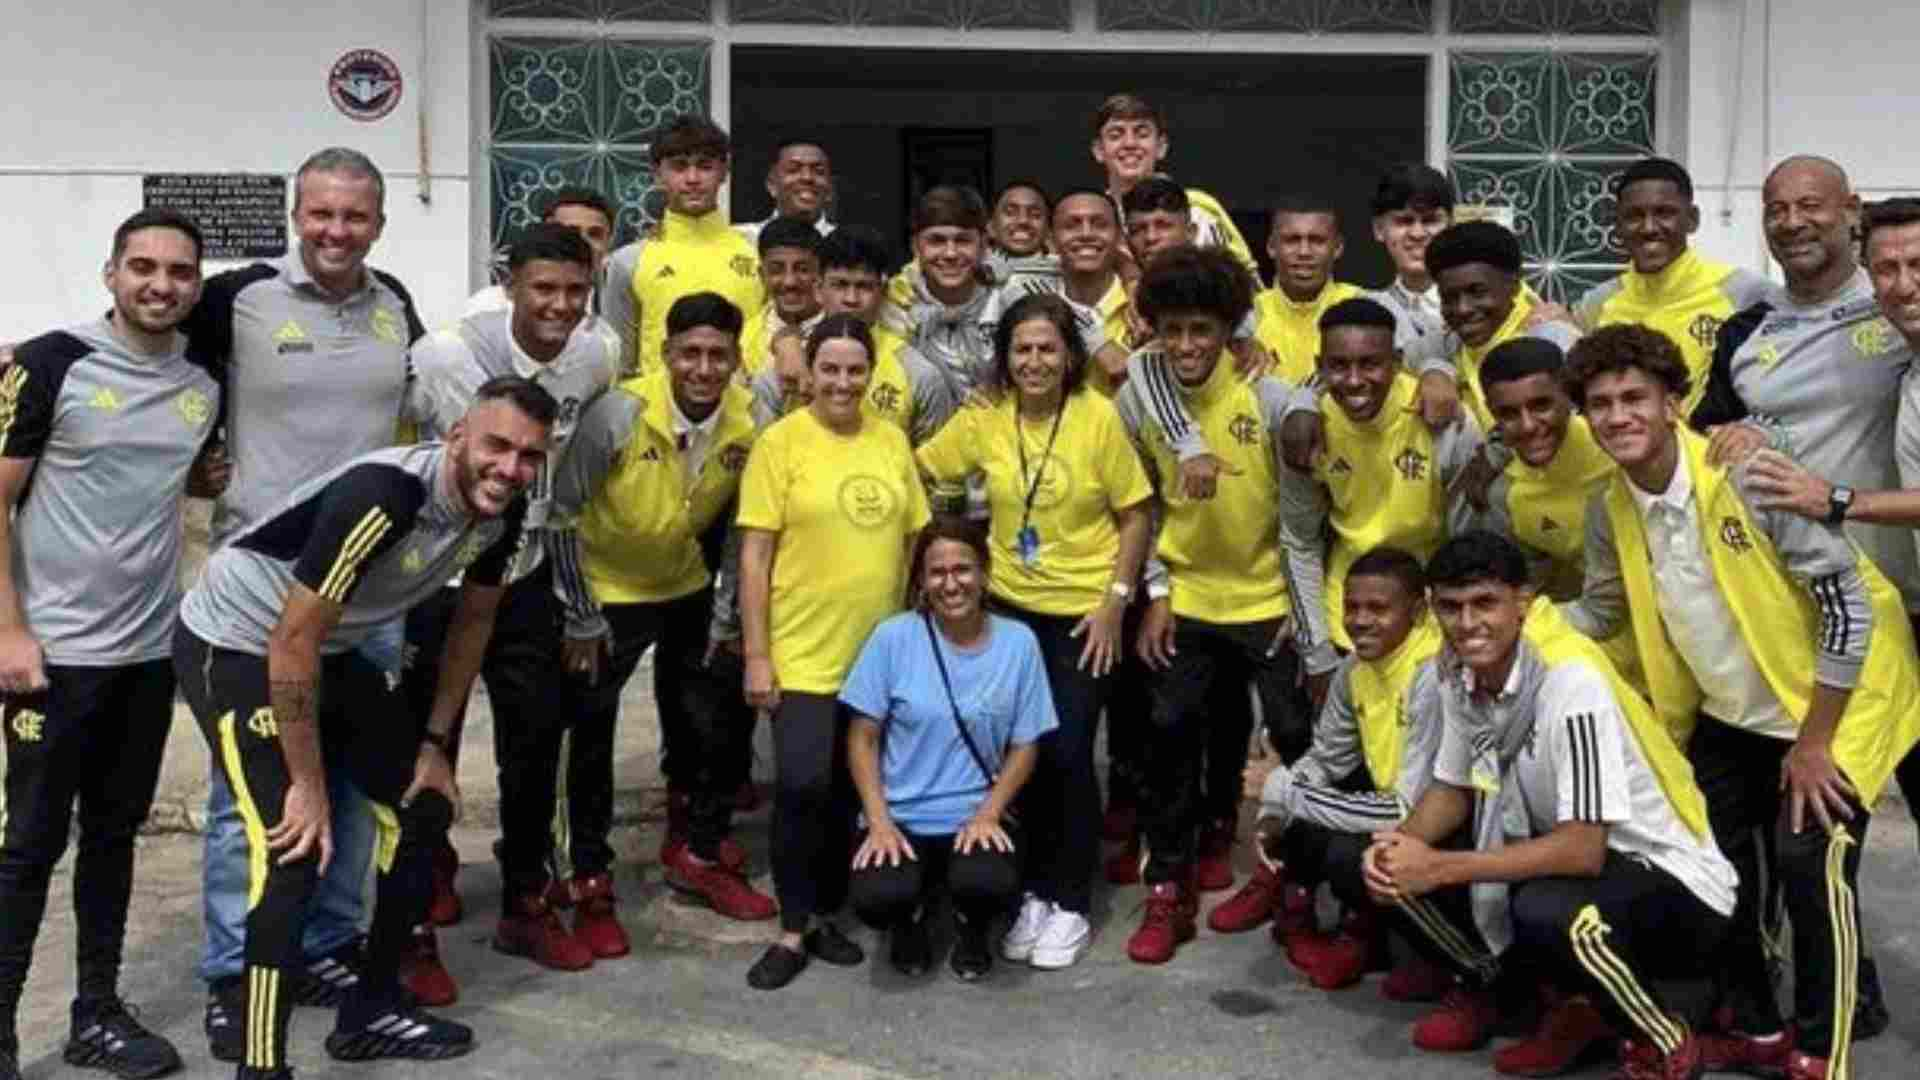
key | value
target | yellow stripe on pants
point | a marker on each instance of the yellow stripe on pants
(1846, 953)
(1588, 935)
(256, 827)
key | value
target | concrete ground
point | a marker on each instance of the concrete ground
(679, 1006)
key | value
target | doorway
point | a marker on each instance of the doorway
(1247, 128)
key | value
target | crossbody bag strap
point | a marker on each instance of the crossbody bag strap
(979, 759)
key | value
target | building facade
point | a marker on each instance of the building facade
(1530, 104)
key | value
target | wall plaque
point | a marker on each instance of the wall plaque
(243, 215)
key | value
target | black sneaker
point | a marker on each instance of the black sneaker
(399, 1030)
(106, 1036)
(827, 942)
(226, 1018)
(972, 959)
(776, 967)
(908, 947)
(327, 979)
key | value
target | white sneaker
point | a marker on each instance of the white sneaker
(1025, 931)
(1062, 940)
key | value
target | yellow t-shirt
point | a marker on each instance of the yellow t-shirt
(1291, 330)
(686, 256)
(1223, 554)
(1091, 472)
(843, 506)
(1548, 507)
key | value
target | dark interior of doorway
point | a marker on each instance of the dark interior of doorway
(1248, 128)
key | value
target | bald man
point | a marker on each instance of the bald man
(1816, 356)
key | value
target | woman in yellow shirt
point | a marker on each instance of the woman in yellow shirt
(830, 506)
(1068, 500)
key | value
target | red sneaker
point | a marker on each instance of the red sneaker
(1121, 820)
(1417, 980)
(1340, 961)
(422, 973)
(1124, 868)
(1294, 916)
(733, 856)
(1464, 1021)
(1805, 1067)
(1168, 924)
(718, 886)
(1214, 868)
(535, 932)
(445, 909)
(1640, 1060)
(1734, 1052)
(1304, 947)
(1568, 1035)
(595, 924)
(1251, 906)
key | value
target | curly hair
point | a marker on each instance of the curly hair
(1612, 350)
(1195, 279)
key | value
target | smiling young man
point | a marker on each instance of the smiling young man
(800, 183)
(790, 274)
(265, 653)
(1591, 866)
(1218, 603)
(654, 467)
(1384, 479)
(1412, 204)
(1130, 142)
(1083, 270)
(1780, 655)
(1304, 243)
(1670, 285)
(1476, 267)
(100, 429)
(581, 209)
(1372, 756)
(1017, 230)
(546, 337)
(691, 250)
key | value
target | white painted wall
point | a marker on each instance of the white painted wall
(1770, 78)
(101, 92)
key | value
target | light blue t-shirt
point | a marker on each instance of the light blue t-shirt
(933, 785)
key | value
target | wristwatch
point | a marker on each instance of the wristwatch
(1122, 590)
(1839, 501)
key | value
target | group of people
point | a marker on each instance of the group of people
(1570, 648)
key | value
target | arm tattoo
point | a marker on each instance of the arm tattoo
(295, 701)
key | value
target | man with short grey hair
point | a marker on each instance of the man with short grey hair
(312, 349)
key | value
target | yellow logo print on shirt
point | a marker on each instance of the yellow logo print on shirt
(262, 724)
(104, 398)
(386, 327)
(27, 725)
(1767, 355)
(1734, 535)
(194, 407)
(289, 332)
(741, 265)
(412, 562)
(1875, 337)
(866, 501)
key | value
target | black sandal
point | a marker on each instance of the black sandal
(776, 967)
(827, 942)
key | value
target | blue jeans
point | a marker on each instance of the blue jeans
(338, 910)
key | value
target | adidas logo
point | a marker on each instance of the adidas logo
(105, 398)
(289, 331)
(1548, 525)
(652, 454)
(665, 272)
(1340, 466)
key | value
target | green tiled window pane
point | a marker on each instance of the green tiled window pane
(1268, 16)
(648, 84)
(949, 14)
(544, 90)
(1616, 17)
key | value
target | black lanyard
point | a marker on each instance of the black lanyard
(1020, 443)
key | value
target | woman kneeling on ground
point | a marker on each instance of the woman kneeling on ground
(947, 705)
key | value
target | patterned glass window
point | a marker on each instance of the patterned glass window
(1269, 16)
(1543, 134)
(584, 111)
(1636, 18)
(946, 14)
(636, 10)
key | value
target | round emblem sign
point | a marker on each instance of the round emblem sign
(364, 84)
